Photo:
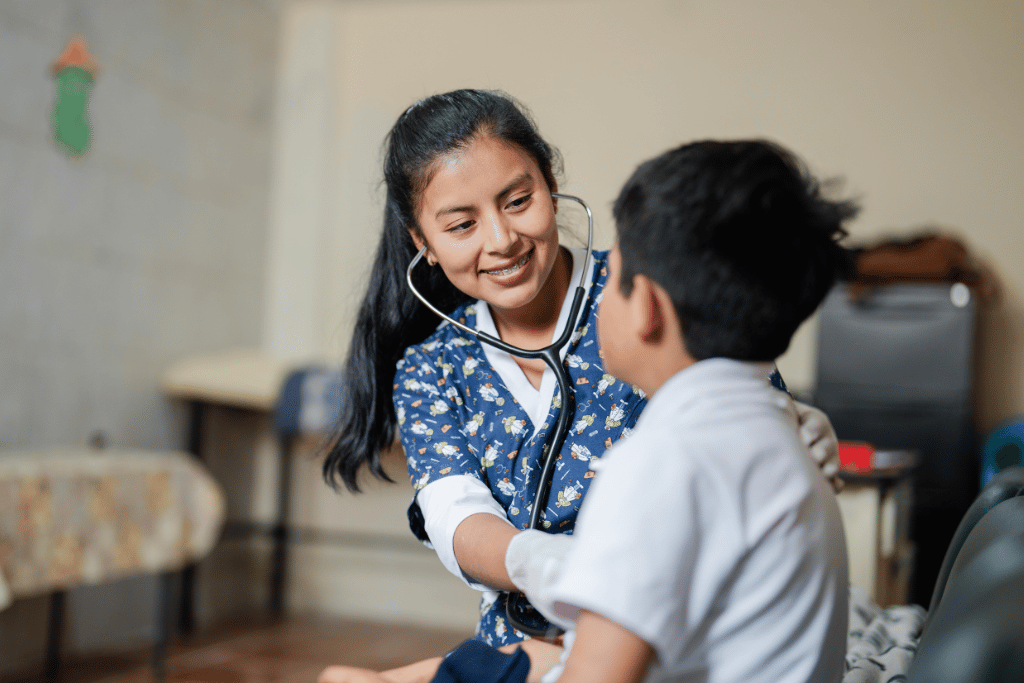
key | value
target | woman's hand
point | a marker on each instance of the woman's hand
(480, 544)
(820, 438)
(349, 674)
(418, 672)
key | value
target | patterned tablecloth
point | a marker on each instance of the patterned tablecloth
(73, 517)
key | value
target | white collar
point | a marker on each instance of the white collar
(702, 379)
(535, 402)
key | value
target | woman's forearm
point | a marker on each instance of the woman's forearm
(418, 672)
(480, 544)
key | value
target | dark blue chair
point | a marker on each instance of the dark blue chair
(309, 404)
(1003, 448)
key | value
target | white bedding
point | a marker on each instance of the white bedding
(880, 643)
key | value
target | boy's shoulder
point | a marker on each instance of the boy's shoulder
(724, 416)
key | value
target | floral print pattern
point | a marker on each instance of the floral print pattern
(457, 417)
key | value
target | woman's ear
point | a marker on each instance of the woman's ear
(418, 240)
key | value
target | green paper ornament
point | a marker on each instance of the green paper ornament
(71, 127)
(74, 71)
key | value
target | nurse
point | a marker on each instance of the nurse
(469, 177)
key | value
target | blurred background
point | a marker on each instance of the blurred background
(230, 199)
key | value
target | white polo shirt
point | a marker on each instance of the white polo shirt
(711, 534)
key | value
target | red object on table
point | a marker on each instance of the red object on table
(856, 456)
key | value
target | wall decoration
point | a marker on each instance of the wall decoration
(75, 71)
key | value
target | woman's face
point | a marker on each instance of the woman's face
(489, 221)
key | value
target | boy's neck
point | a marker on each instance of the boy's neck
(660, 352)
(666, 360)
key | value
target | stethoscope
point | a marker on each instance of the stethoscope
(520, 613)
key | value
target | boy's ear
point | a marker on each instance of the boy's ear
(648, 310)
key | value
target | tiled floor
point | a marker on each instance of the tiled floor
(286, 652)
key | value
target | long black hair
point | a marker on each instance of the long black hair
(390, 317)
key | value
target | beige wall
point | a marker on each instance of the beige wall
(917, 104)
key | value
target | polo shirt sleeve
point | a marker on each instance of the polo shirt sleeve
(627, 564)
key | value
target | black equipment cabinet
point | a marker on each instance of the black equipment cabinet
(895, 369)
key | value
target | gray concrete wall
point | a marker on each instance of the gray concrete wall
(149, 248)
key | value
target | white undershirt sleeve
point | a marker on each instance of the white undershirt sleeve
(445, 503)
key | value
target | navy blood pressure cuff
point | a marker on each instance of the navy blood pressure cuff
(477, 662)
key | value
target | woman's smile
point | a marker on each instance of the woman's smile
(514, 268)
(488, 220)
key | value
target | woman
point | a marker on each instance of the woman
(469, 178)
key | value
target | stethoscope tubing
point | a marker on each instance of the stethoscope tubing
(550, 355)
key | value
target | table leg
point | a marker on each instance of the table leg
(54, 635)
(186, 614)
(279, 566)
(165, 589)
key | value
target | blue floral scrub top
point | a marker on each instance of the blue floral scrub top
(456, 417)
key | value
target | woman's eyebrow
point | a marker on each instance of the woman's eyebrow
(516, 182)
(452, 209)
(513, 184)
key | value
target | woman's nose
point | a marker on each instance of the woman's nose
(500, 236)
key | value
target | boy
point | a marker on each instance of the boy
(709, 548)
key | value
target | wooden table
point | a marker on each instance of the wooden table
(875, 506)
(74, 516)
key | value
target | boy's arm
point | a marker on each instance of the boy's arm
(605, 652)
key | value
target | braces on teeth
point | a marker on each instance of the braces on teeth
(513, 267)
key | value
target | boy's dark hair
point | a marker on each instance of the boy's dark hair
(740, 236)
